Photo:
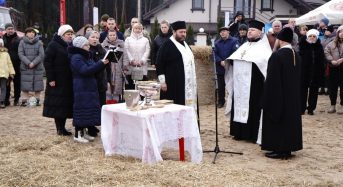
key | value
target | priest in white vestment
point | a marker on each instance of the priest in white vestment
(245, 75)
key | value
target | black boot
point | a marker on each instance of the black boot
(37, 104)
(60, 126)
(92, 131)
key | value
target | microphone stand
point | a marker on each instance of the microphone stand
(216, 148)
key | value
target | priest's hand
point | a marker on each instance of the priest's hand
(339, 61)
(164, 87)
(222, 63)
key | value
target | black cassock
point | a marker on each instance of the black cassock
(169, 63)
(249, 130)
(282, 128)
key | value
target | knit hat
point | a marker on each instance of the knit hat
(63, 29)
(339, 29)
(312, 32)
(7, 25)
(286, 34)
(30, 29)
(325, 21)
(80, 41)
(243, 27)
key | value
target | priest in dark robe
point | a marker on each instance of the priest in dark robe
(281, 127)
(176, 68)
(245, 79)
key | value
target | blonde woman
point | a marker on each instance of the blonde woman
(137, 49)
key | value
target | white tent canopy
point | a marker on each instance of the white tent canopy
(333, 10)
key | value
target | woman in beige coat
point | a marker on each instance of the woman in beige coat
(334, 55)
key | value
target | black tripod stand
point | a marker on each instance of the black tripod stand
(216, 148)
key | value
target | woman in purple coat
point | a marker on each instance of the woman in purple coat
(86, 96)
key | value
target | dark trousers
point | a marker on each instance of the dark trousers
(16, 83)
(221, 89)
(102, 98)
(310, 97)
(335, 81)
(60, 123)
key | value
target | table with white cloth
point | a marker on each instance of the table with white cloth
(143, 134)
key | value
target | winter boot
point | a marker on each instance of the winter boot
(38, 103)
(2, 104)
(332, 109)
(23, 103)
(340, 110)
(79, 136)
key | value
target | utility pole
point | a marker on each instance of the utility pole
(139, 8)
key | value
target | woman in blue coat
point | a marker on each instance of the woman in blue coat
(86, 96)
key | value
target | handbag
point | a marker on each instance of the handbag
(137, 73)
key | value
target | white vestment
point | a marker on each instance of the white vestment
(238, 76)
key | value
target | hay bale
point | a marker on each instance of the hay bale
(205, 74)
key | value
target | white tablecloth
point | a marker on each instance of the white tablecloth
(143, 134)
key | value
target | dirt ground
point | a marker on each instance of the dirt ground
(31, 154)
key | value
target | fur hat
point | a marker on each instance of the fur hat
(80, 41)
(286, 35)
(63, 29)
(312, 32)
(7, 25)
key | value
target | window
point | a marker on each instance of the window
(198, 5)
(267, 5)
(244, 6)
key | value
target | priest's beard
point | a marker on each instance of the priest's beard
(180, 38)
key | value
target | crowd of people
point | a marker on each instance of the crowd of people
(267, 80)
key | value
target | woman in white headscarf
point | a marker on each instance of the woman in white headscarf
(312, 59)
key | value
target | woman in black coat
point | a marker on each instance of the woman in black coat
(312, 57)
(97, 52)
(58, 103)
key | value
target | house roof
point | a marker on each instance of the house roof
(157, 9)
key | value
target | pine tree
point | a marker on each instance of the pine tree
(154, 29)
(190, 36)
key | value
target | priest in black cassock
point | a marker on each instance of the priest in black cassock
(176, 68)
(244, 83)
(281, 127)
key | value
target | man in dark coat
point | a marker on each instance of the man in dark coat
(223, 48)
(176, 68)
(244, 83)
(58, 103)
(282, 129)
(11, 41)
